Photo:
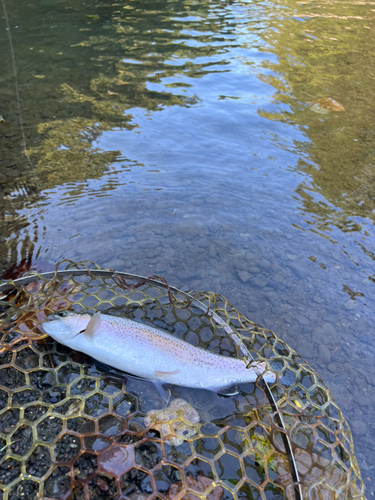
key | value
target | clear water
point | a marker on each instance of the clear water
(177, 138)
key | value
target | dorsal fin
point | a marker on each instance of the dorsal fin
(93, 326)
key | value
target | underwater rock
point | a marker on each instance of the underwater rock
(244, 276)
(178, 418)
(359, 427)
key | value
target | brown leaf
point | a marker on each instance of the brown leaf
(313, 470)
(102, 485)
(200, 484)
(116, 459)
(325, 105)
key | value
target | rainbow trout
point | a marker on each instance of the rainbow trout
(150, 353)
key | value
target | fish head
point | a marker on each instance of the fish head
(65, 325)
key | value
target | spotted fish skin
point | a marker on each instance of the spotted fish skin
(149, 352)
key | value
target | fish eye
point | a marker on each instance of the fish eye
(62, 314)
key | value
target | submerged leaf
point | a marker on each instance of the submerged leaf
(177, 419)
(199, 484)
(325, 105)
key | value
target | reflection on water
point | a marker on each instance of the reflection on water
(177, 138)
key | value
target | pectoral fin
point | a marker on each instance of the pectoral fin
(165, 374)
(93, 327)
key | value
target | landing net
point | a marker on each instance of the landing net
(69, 429)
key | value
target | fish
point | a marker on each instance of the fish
(151, 353)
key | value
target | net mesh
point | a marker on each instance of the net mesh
(70, 429)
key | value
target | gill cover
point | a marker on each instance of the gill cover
(56, 327)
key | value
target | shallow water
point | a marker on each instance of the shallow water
(177, 138)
